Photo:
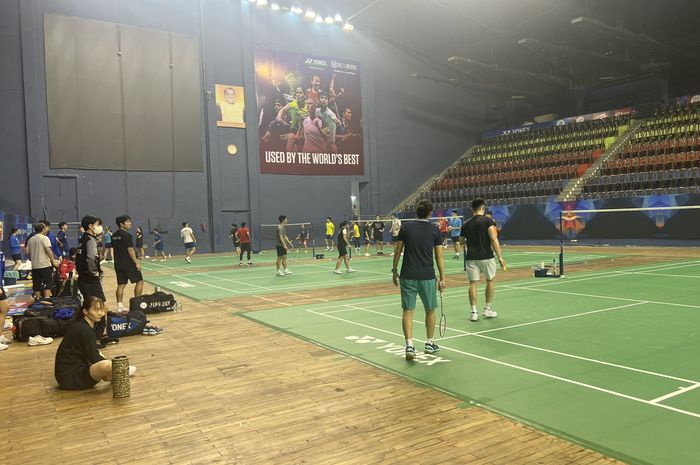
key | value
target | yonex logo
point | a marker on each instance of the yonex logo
(397, 349)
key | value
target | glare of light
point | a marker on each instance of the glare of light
(329, 20)
(310, 14)
(319, 19)
(348, 27)
(338, 18)
(274, 7)
(262, 2)
(296, 10)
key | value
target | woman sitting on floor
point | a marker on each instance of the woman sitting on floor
(79, 365)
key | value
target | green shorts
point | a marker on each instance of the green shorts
(425, 288)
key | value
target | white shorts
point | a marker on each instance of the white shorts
(475, 267)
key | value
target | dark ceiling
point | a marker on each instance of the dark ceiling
(537, 48)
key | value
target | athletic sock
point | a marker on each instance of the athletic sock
(488, 306)
(409, 342)
(474, 310)
(429, 341)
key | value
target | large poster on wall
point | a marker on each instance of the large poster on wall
(309, 114)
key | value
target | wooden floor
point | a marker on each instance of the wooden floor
(220, 389)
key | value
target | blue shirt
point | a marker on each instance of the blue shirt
(159, 245)
(64, 240)
(14, 245)
(455, 223)
(54, 245)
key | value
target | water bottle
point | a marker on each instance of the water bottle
(157, 288)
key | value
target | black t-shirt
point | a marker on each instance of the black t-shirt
(233, 235)
(121, 241)
(341, 241)
(378, 227)
(419, 240)
(476, 231)
(78, 349)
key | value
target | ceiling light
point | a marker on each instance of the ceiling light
(338, 18)
(262, 2)
(310, 14)
(329, 20)
(318, 19)
(274, 7)
(347, 27)
(296, 10)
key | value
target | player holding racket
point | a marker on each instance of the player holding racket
(480, 238)
(420, 243)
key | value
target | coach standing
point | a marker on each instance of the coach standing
(420, 243)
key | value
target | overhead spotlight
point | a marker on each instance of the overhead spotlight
(318, 19)
(262, 2)
(329, 20)
(296, 10)
(347, 27)
(310, 14)
(275, 7)
(338, 18)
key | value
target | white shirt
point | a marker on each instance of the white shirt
(37, 252)
(187, 235)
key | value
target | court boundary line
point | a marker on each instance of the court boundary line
(528, 370)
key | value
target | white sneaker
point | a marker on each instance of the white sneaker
(132, 370)
(474, 316)
(287, 272)
(280, 273)
(146, 256)
(337, 272)
(4, 347)
(489, 313)
(350, 270)
(6, 325)
(366, 255)
(4, 340)
(39, 341)
(188, 259)
(391, 254)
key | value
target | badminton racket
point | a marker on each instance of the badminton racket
(443, 319)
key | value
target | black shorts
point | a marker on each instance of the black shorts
(342, 249)
(77, 379)
(329, 237)
(236, 244)
(3, 294)
(91, 288)
(281, 251)
(444, 235)
(42, 278)
(356, 241)
(17, 257)
(245, 247)
(108, 246)
(378, 237)
(132, 274)
(394, 239)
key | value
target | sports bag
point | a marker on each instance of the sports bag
(24, 327)
(119, 325)
(157, 302)
(51, 305)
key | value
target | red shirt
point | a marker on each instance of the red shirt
(244, 235)
(443, 225)
(65, 268)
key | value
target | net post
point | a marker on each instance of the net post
(561, 243)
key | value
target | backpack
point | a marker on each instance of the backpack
(50, 305)
(24, 327)
(125, 325)
(157, 302)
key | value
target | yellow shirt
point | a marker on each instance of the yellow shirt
(231, 113)
(330, 228)
(356, 230)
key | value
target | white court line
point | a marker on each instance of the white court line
(234, 281)
(574, 315)
(232, 290)
(665, 274)
(563, 354)
(675, 393)
(527, 370)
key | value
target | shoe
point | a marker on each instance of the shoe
(4, 340)
(4, 347)
(431, 348)
(148, 331)
(240, 264)
(146, 256)
(287, 272)
(6, 325)
(39, 341)
(188, 259)
(109, 340)
(366, 255)
(391, 254)
(337, 272)
(474, 316)
(280, 273)
(489, 313)
(132, 370)
(410, 353)
(456, 257)
(350, 270)
(250, 263)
